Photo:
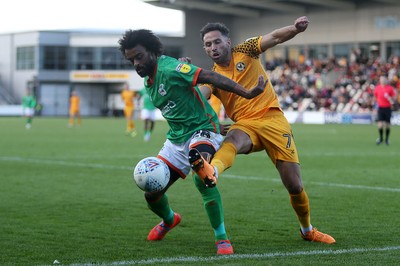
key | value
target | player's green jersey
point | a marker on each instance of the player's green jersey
(147, 103)
(173, 91)
(28, 101)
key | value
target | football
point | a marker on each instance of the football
(151, 174)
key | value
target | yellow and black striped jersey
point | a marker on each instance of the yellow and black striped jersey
(245, 68)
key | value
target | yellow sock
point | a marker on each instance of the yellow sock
(301, 206)
(131, 126)
(224, 157)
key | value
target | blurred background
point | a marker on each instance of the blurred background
(324, 75)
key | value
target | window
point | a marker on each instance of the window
(369, 51)
(392, 49)
(54, 57)
(276, 53)
(83, 58)
(296, 54)
(318, 52)
(25, 58)
(275, 56)
(342, 50)
(96, 58)
(110, 58)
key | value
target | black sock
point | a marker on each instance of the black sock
(387, 134)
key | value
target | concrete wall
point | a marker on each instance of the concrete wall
(15, 81)
(94, 40)
(193, 45)
(6, 68)
(328, 27)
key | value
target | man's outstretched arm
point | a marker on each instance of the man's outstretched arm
(284, 34)
(224, 83)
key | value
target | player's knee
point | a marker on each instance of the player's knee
(206, 150)
(294, 188)
(240, 140)
(153, 196)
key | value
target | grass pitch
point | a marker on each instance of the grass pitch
(67, 194)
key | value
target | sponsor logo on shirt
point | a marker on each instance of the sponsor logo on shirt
(240, 66)
(183, 68)
(167, 108)
(161, 90)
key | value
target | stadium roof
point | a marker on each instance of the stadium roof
(256, 8)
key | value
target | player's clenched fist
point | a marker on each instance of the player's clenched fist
(301, 23)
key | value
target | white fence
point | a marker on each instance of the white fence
(310, 117)
(307, 117)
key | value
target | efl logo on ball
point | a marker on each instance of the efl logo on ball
(151, 174)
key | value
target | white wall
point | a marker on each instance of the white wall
(5, 60)
(94, 40)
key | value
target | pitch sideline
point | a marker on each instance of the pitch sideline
(116, 167)
(241, 256)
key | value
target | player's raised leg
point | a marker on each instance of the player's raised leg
(202, 168)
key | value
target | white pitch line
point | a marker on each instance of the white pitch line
(356, 186)
(241, 256)
(67, 163)
(104, 166)
(311, 182)
(206, 259)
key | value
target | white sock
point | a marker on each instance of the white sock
(307, 229)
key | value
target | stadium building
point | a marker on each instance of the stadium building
(53, 63)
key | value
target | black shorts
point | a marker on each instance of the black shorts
(384, 114)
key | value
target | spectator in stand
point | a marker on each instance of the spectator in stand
(384, 94)
(396, 85)
(346, 86)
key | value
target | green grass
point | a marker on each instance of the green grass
(67, 194)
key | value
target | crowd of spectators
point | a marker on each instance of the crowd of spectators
(334, 85)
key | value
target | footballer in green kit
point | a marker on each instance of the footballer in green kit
(28, 108)
(147, 114)
(185, 110)
(171, 85)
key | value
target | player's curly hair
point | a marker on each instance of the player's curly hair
(214, 26)
(144, 37)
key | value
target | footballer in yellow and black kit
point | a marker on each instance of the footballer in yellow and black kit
(259, 123)
(128, 97)
(261, 117)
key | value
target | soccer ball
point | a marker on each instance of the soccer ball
(151, 174)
